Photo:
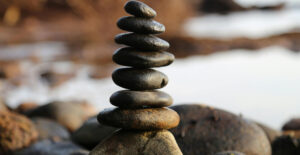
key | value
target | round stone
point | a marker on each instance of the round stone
(142, 41)
(230, 153)
(140, 99)
(201, 125)
(140, 119)
(132, 57)
(139, 79)
(139, 9)
(140, 25)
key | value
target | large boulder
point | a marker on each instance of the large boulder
(91, 133)
(69, 114)
(206, 130)
(138, 142)
(271, 133)
(16, 132)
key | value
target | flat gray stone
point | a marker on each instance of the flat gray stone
(139, 59)
(139, 119)
(142, 41)
(139, 9)
(140, 99)
(139, 79)
(140, 25)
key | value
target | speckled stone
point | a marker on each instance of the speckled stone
(139, 119)
(140, 99)
(142, 41)
(139, 79)
(139, 59)
(140, 25)
(139, 9)
(126, 142)
(230, 153)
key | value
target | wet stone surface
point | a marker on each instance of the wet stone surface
(140, 119)
(140, 59)
(139, 9)
(140, 25)
(139, 79)
(140, 99)
(142, 41)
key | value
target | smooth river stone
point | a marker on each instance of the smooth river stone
(138, 99)
(140, 25)
(140, 119)
(132, 57)
(139, 79)
(142, 41)
(139, 9)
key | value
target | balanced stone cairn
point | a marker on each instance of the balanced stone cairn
(141, 114)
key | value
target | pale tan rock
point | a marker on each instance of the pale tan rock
(138, 142)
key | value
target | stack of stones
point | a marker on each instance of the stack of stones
(141, 112)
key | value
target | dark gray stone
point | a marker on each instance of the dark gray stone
(49, 129)
(139, 119)
(91, 133)
(140, 99)
(132, 57)
(49, 147)
(142, 41)
(286, 145)
(293, 124)
(230, 153)
(207, 130)
(139, 9)
(139, 79)
(140, 25)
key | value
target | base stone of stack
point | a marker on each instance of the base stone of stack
(138, 142)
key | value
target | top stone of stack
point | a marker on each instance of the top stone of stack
(139, 9)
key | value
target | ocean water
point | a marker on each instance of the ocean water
(262, 85)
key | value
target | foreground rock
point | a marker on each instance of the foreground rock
(286, 145)
(3, 107)
(16, 132)
(230, 153)
(92, 133)
(49, 129)
(69, 114)
(205, 130)
(49, 147)
(137, 142)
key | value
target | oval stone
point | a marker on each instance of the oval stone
(140, 25)
(132, 57)
(142, 41)
(139, 9)
(139, 119)
(139, 79)
(140, 99)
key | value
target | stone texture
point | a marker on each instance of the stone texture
(137, 143)
(92, 133)
(26, 106)
(70, 114)
(272, 134)
(142, 41)
(286, 145)
(16, 132)
(139, 9)
(50, 147)
(139, 79)
(140, 99)
(49, 129)
(206, 130)
(139, 119)
(293, 124)
(230, 153)
(3, 107)
(139, 59)
(140, 25)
